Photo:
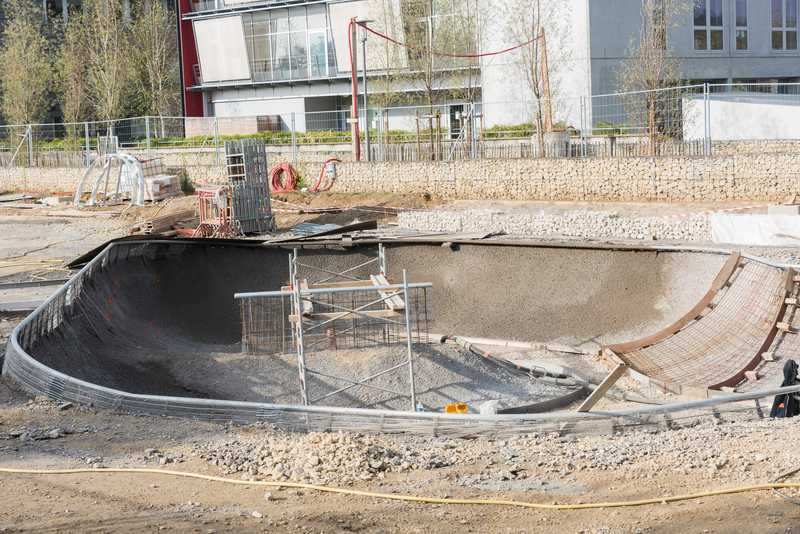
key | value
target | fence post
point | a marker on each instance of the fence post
(379, 116)
(216, 140)
(473, 133)
(583, 125)
(86, 138)
(29, 135)
(706, 121)
(147, 133)
(294, 139)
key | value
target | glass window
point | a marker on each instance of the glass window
(708, 20)
(741, 25)
(777, 40)
(317, 54)
(280, 20)
(716, 40)
(777, 13)
(741, 39)
(299, 54)
(741, 13)
(317, 19)
(784, 24)
(280, 56)
(700, 42)
(715, 18)
(699, 12)
(286, 44)
(297, 19)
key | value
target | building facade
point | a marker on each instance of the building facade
(282, 58)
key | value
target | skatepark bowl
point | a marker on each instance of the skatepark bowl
(153, 327)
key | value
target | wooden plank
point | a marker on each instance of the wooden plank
(378, 314)
(719, 282)
(306, 305)
(349, 283)
(603, 388)
(394, 302)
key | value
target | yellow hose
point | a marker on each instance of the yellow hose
(406, 498)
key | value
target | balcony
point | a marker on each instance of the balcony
(205, 6)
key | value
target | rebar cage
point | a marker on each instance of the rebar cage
(268, 322)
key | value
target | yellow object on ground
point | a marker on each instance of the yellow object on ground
(406, 498)
(456, 407)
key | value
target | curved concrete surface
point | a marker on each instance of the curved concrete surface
(159, 318)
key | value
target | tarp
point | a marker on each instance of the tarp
(756, 229)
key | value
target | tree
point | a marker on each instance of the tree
(27, 71)
(651, 65)
(73, 71)
(106, 57)
(155, 53)
(533, 22)
(434, 29)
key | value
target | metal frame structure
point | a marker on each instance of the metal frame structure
(129, 180)
(295, 264)
(304, 296)
(215, 213)
(247, 169)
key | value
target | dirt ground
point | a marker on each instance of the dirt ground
(143, 503)
(35, 433)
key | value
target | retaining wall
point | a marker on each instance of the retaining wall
(763, 176)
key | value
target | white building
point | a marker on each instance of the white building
(284, 60)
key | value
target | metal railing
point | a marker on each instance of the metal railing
(693, 120)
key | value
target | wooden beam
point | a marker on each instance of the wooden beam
(603, 388)
(306, 305)
(394, 302)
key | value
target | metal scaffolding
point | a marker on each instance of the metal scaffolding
(325, 316)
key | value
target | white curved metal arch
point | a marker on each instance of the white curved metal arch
(129, 180)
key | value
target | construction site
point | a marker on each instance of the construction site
(419, 319)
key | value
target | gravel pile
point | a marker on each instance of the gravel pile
(740, 452)
(323, 458)
(583, 224)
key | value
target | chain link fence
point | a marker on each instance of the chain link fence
(692, 120)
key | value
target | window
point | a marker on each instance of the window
(289, 44)
(708, 31)
(784, 24)
(741, 25)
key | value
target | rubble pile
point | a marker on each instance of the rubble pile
(322, 458)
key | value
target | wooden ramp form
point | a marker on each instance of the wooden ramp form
(721, 338)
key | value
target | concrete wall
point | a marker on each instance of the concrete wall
(503, 78)
(757, 177)
(741, 116)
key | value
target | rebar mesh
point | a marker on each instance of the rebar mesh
(785, 346)
(719, 345)
(268, 322)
